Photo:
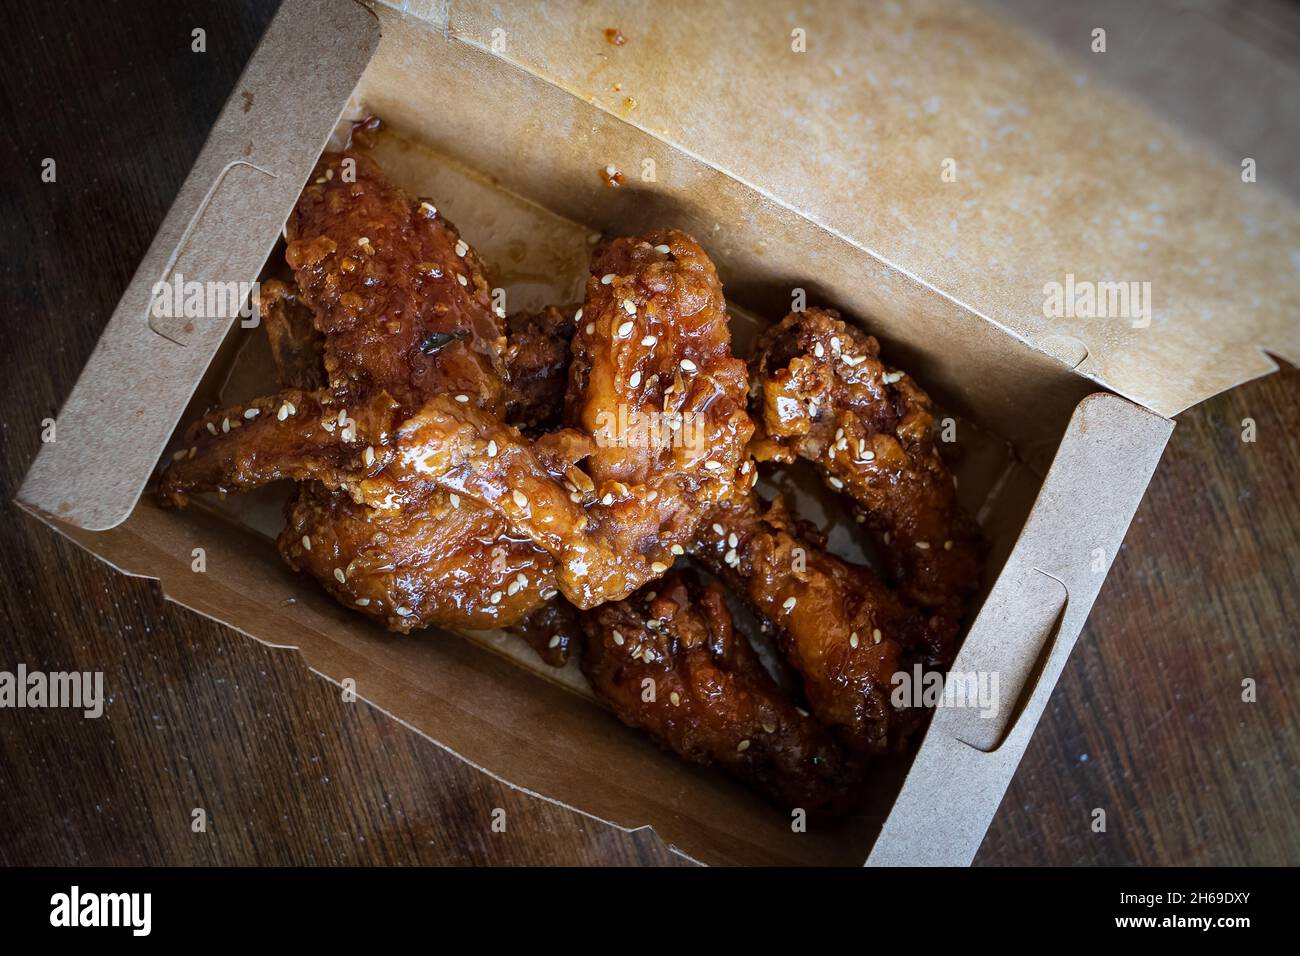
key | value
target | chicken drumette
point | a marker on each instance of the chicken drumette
(667, 661)
(400, 312)
(824, 395)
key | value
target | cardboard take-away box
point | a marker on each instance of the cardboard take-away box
(929, 169)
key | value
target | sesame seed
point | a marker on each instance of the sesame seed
(455, 500)
(947, 546)
(462, 399)
(577, 317)
(687, 365)
(886, 537)
(658, 567)
(742, 746)
(625, 330)
(769, 726)
(520, 498)
(252, 413)
(629, 307)
(835, 343)
(677, 549)
(340, 576)
(554, 641)
(363, 602)
(819, 350)
(662, 249)
(731, 557)
(461, 279)
(283, 413)
(212, 429)
(649, 340)
(732, 539)
(618, 638)
(719, 530)
(712, 465)
(853, 639)
(923, 545)
(836, 483)
(461, 248)
(496, 597)
(591, 328)
(306, 543)
(549, 593)
(875, 636)
(403, 611)
(789, 604)
(607, 278)
(893, 377)
(369, 456)
(675, 698)
(492, 448)
(513, 589)
(634, 379)
(428, 209)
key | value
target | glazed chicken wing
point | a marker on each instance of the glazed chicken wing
(657, 429)
(668, 661)
(399, 296)
(399, 313)
(836, 623)
(826, 396)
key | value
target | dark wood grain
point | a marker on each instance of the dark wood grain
(1148, 721)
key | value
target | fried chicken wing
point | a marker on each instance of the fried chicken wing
(294, 434)
(399, 313)
(621, 519)
(668, 662)
(826, 396)
(836, 623)
(399, 296)
(437, 562)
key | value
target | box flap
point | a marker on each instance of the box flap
(219, 231)
(955, 146)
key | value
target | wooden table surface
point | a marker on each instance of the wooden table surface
(1147, 722)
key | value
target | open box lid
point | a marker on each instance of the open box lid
(1055, 179)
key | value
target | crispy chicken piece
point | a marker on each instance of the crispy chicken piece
(400, 313)
(293, 434)
(656, 414)
(709, 698)
(438, 562)
(824, 395)
(400, 298)
(537, 367)
(836, 623)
